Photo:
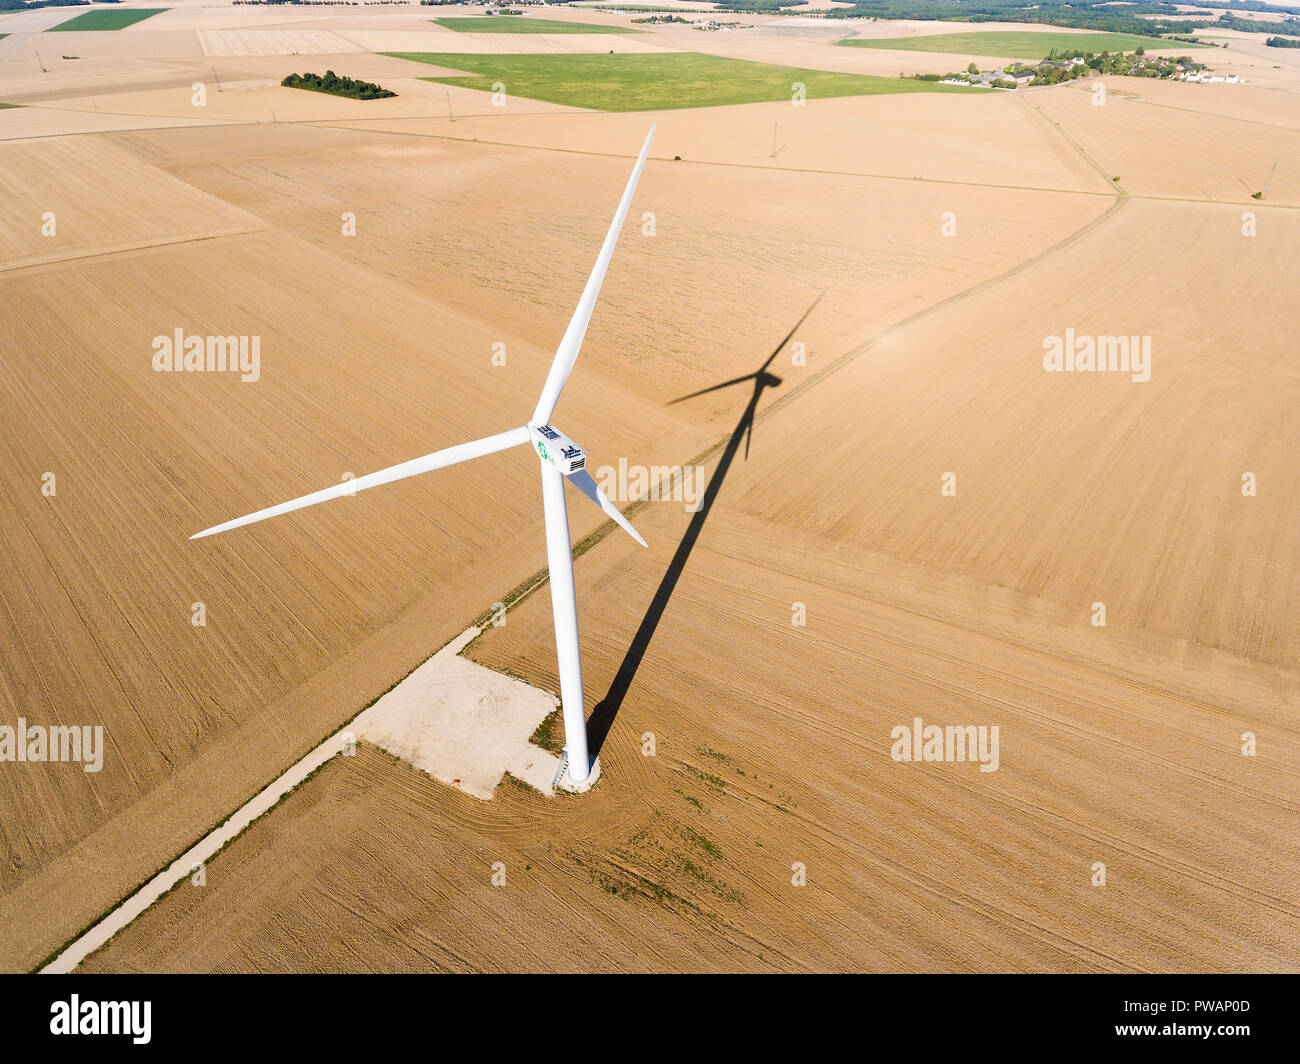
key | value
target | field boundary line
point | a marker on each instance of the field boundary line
(124, 250)
(172, 122)
(1075, 145)
(331, 123)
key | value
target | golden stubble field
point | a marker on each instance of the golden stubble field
(718, 262)
(1142, 134)
(100, 590)
(396, 329)
(1119, 744)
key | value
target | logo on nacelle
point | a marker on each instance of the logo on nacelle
(557, 449)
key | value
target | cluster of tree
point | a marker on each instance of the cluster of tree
(646, 8)
(756, 7)
(662, 18)
(609, 7)
(337, 86)
(1228, 21)
(1260, 5)
(1049, 74)
(1061, 66)
(1076, 14)
(1282, 42)
(1135, 64)
(1140, 66)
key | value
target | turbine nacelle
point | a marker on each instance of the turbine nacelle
(555, 448)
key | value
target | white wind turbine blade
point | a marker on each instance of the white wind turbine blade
(567, 353)
(583, 482)
(462, 452)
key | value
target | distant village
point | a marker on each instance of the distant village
(1081, 65)
(705, 24)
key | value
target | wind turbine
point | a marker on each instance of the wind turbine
(560, 458)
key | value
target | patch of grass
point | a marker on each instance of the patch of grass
(511, 782)
(4, 105)
(655, 82)
(628, 885)
(107, 20)
(667, 863)
(550, 734)
(1018, 44)
(524, 24)
(703, 842)
(690, 798)
(707, 778)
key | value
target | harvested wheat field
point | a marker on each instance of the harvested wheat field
(1118, 745)
(914, 137)
(874, 249)
(211, 712)
(1142, 145)
(836, 318)
(87, 390)
(145, 208)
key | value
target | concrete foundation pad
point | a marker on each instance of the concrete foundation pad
(562, 781)
(464, 724)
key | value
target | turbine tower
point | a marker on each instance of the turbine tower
(560, 459)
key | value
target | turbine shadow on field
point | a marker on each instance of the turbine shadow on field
(602, 716)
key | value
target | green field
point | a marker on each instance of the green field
(107, 20)
(655, 82)
(4, 105)
(524, 24)
(1015, 44)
